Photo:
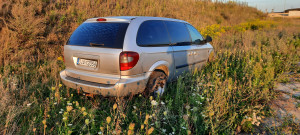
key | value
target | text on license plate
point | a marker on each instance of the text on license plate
(88, 63)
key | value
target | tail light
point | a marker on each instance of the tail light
(128, 60)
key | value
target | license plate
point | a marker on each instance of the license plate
(88, 63)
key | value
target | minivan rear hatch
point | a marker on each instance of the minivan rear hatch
(92, 51)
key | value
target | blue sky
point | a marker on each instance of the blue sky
(277, 5)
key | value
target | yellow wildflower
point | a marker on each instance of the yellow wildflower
(130, 132)
(85, 113)
(108, 119)
(83, 109)
(146, 122)
(60, 58)
(146, 119)
(142, 126)
(69, 108)
(151, 98)
(150, 131)
(65, 118)
(60, 85)
(131, 126)
(57, 94)
(87, 121)
(115, 106)
(165, 113)
(53, 88)
(147, 116)
(44, 122)
(102, 129)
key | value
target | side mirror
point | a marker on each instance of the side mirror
(208, 39)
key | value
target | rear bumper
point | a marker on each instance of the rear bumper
(125, 86)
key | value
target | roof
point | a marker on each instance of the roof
(129, 18)
(293, 9)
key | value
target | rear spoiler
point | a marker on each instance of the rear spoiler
(108, 19)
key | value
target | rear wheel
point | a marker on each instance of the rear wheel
(156, 85)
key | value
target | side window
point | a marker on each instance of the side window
(178, 32)
(152, 33)
(197, 38)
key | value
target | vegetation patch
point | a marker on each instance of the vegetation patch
(229, 95)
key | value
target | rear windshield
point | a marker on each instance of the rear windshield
(108, 35)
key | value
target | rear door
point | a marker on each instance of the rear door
(92, 51)
(181, 45)
(201, 50)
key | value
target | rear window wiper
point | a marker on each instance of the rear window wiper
(94, 44)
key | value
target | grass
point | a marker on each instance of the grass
(229, 95)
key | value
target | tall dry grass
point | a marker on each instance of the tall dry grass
(34, 31)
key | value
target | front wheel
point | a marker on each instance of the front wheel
(156, 85)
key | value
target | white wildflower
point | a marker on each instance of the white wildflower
(153, 102)
(187, 107)
(195, 109)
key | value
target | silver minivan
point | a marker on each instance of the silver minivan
(119, 56)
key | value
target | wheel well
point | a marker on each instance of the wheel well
(163, 69)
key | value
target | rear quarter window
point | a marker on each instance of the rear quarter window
(108, 35)
(152, 33)
(178, 32)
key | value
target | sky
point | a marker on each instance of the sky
(277, 5)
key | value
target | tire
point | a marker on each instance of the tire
(156, 84)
